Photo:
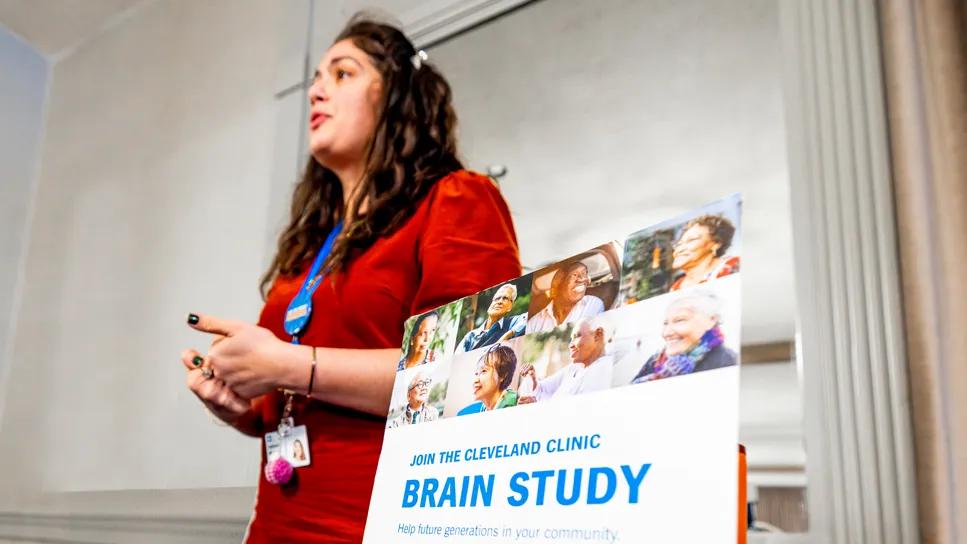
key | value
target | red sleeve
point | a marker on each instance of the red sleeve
(468, 243)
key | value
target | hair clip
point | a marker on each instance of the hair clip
(419, 58)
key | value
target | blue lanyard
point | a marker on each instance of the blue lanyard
(300, 309)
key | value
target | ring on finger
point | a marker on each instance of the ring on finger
(208, 372)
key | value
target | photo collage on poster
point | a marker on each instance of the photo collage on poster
(665, 303)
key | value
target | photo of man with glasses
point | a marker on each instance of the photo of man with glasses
(417, 410)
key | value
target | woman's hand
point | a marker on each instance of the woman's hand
(243, 355)
(214, 393)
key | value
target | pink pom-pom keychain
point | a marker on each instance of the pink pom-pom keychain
(278, 471)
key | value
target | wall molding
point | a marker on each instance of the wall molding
(438, 20)
(857, 428)
(429, 24)
(20, 527)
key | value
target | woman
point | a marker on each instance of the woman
(417, 231)
(418, 349)
(491, 381)
(699, 253)
(298, 451)
(569, 299)
(693, 340)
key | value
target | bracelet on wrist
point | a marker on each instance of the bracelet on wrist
(312, 374)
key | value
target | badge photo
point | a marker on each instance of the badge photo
(295, 447)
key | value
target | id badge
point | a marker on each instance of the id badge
(275, 440)
(295, 447)
(273, 446)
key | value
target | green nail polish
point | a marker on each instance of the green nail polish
(197, 360)
(192, 319)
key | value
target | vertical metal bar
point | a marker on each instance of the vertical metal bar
(307, 64)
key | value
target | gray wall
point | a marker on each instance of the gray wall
(23, 91)
(158, 160)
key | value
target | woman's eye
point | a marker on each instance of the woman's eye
(342, 74)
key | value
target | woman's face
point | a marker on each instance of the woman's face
(424, 334)
(683, 328)
(695, 245)
(484, 380)
(344, 101)
(298, 450)
(575, 285)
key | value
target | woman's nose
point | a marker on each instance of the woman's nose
(317, 91)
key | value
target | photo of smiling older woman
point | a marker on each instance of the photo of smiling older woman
(683, 252)
(693, 338)
(494, 315)
(484, 379)
(578, 288)
(699, 254)
(492, 381)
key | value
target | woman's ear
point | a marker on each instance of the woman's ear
(714, 320)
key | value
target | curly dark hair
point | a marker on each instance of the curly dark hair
(504, 362)
(720, 229)
(414, 146)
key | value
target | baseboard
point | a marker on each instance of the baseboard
(90, 529)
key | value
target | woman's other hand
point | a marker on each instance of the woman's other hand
(213, 392)
(242, 355)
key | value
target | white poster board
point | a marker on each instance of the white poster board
(594, 400)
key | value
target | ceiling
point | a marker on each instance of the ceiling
(56, 27)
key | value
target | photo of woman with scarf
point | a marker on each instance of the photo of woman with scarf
(693, 339)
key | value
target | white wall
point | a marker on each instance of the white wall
(23, 91)
(158, 161)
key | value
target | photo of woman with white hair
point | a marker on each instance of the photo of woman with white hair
(693, 339)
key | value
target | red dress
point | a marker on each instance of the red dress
(460, 240)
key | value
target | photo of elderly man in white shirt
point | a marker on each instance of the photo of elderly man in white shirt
(590, 369)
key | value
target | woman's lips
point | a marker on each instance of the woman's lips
(317, 119)
(675, 344)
